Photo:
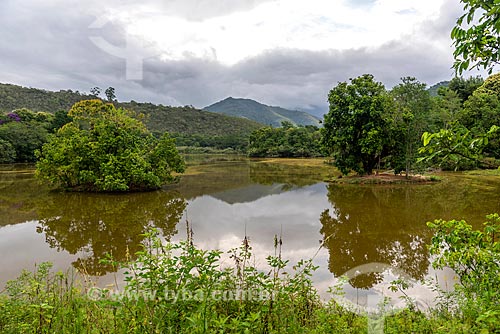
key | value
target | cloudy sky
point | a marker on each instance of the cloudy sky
(195, 52)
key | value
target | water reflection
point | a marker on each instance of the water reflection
(387, 224)
(375, 225)
(99, 224)
(225, 199)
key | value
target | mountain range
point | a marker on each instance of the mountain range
(261, 113)
(185, 120)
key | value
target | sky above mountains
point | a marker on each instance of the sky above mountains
(195, 52)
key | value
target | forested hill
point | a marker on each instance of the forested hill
(190, 121)
(15, 97)
(159, 118)
(250, 109)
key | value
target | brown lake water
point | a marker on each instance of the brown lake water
(372, 232)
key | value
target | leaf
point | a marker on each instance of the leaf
(426, 138)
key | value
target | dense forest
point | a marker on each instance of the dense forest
(367, 126)
(286, 141)
(29, 115)
(193, 127)
(404, 128)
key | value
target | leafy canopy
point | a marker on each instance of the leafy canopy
(354, 131)
(473, 136)
(411, 116)
(106, 149)
(456, 144)
(477, 35)
(286, 141)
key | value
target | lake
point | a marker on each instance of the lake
(371, 233)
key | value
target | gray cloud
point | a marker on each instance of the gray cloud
(47, 45)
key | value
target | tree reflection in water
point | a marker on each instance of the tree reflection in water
(375, 224)
(98, 224)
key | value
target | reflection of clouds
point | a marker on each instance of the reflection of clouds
(25, 248)
(294, 214)
(220, 224)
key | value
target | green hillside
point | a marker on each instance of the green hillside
(16, 97)
(190, 121)
(433, 90)
(253, 110)
(176, 120)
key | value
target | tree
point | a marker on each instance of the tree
(286, 141)
(477, 36)
(26, 132)
(446, 109)
(491, 85)
(110, 94)
(7, 152)
(355, 128)
(465, 87)
(105, 149)
(96, 91)
(60, 118)
(456, 146)
(482, 110)
(413, 105)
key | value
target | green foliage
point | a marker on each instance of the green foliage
(434, 89)
(194, 127)
(475, 257)
(491, 85)
(477, 36)
(15, 97)
(287, 141)
(110, 94)
(235, 142)
(105, 149)
(465, 87)
(7, 152)
(179, 288)
(186, 123)
(456, 145)
(22, 132)
(61, 118)
(446, 110)
(355, 131)
(470, 134)
(411, 118)
(482, 109)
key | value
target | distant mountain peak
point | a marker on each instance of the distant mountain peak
(256, 111)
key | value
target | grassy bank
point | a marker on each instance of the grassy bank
(178, 288)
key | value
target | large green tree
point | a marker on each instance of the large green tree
(105, 149)
(411, 116)
(477, 35)
(355, 131)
